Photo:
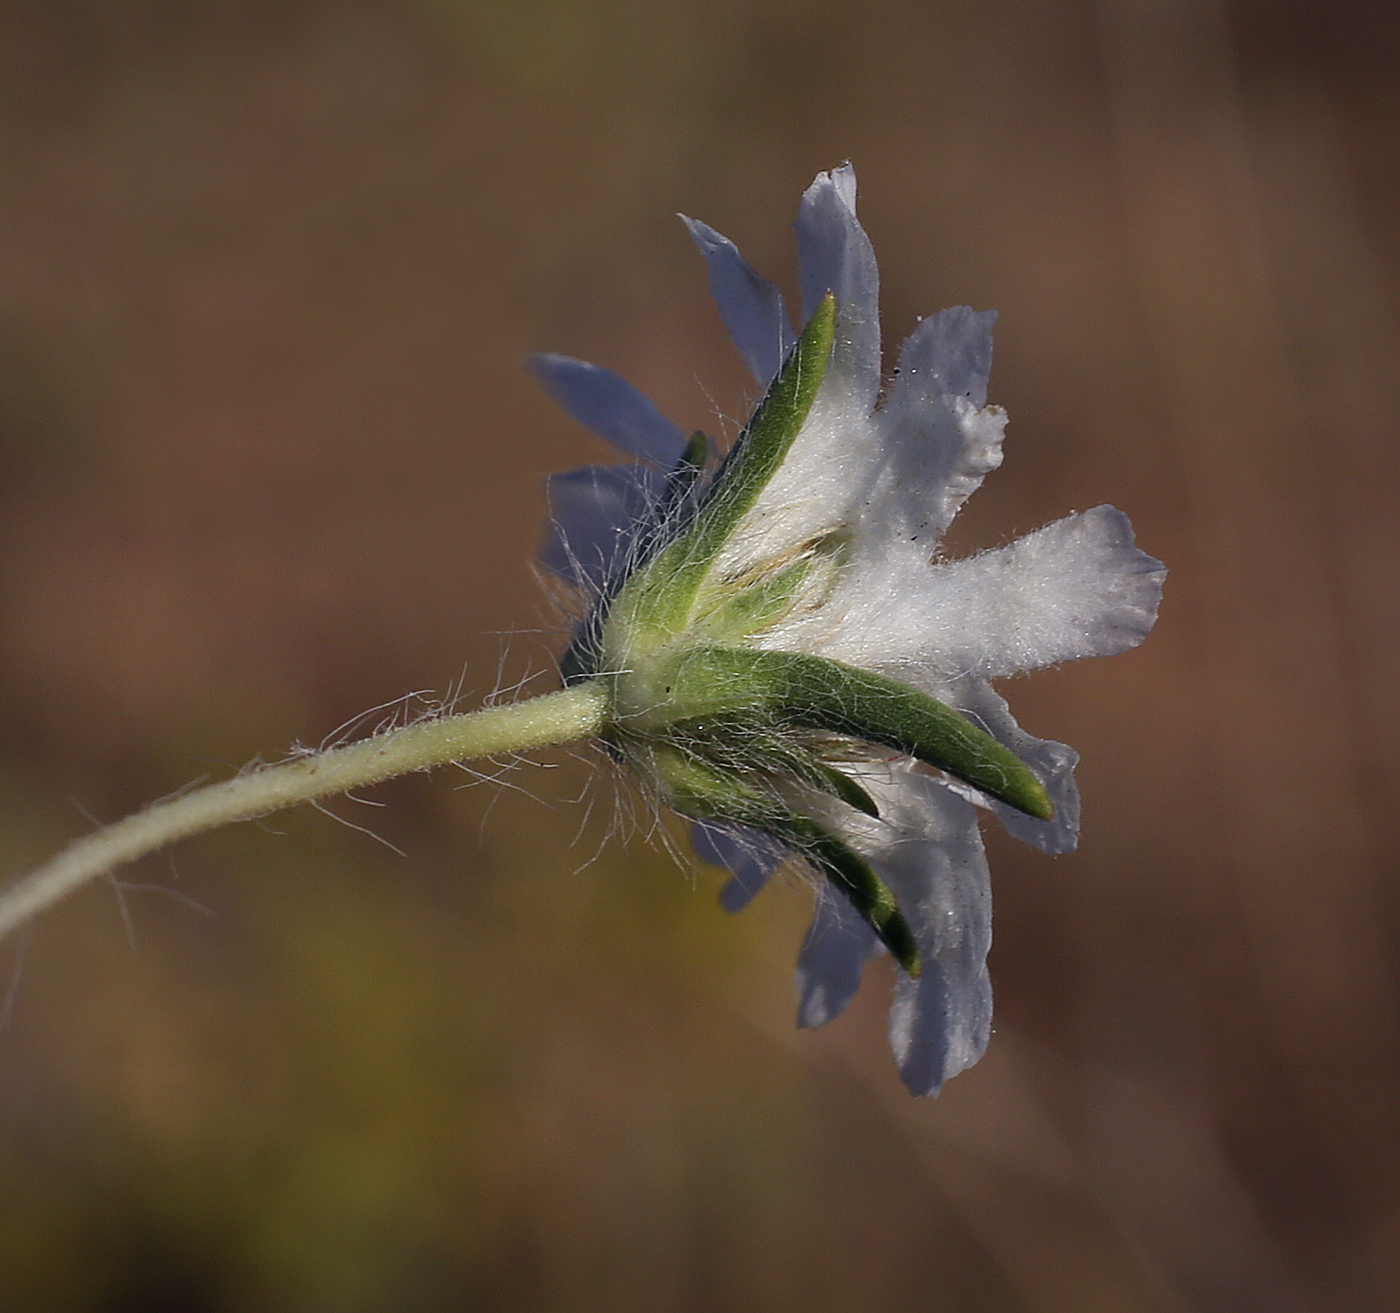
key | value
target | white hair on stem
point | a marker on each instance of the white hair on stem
(555, 718)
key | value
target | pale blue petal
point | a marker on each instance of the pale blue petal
(751, 307)
(749, 855)
(829, 967)
(595, 515)
(610, 406)
(940, 1023)
(835, 256)
(927, 848)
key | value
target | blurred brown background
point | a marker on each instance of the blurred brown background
(267, 459)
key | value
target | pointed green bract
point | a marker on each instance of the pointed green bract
(763, 445)
(798, 689)
(842, 786)
(687, 471)
(695, 448)
(856, 879)
(701, 789)
(657, 602)
(580, 659)
(756, 747)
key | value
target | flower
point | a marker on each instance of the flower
(793, 666)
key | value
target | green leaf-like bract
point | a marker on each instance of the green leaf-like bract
(813, 692)
(701, 789)
(656, 603)
(856, 879)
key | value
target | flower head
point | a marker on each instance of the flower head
(791, 665)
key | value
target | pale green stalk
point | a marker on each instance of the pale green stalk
(576, 713)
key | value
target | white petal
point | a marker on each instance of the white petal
(829, 967)
(749, 855)
(751, 307)
(610, 406)
(1075, 588)
(835, 256)
(595, 514)
(896, 479)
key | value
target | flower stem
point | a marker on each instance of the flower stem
(564, 717)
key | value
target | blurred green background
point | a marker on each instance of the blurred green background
(267, 458)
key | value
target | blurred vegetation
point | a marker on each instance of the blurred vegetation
(267, 459)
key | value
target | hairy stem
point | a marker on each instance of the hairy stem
(576, 713)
